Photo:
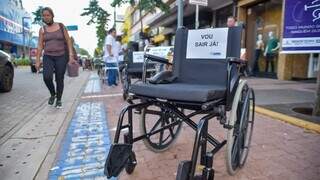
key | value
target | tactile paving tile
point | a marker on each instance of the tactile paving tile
(93, 85)
(21, 158)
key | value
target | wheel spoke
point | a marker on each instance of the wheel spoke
(234, 151)
(161, 134)
(156, 125)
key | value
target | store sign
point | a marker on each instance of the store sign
(199, 2)
(207, 43)
(160, 51)
(301, 33)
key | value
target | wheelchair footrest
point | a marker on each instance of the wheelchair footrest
(117, 159)
(183, 170)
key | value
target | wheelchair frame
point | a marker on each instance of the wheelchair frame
(122, 156)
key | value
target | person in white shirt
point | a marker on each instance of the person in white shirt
(111, 55)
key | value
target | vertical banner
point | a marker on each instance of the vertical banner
(301, 29)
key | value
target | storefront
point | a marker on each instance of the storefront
(263, 25)
(15, 25)
(264, 20)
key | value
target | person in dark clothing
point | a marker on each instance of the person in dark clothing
(54, 43)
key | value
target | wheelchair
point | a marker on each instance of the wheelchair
(205, 87)
(131, 70)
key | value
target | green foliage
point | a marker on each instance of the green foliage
(38, 16)
(22, 62)
(98, 52)
(98, 16)
(83, 52)
(146, 5)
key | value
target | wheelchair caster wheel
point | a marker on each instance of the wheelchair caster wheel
(131, 164)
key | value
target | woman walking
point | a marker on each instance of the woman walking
(54, 43)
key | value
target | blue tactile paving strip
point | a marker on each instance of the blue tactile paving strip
(93, 85)
(85, 145)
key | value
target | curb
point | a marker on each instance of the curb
(289, 119)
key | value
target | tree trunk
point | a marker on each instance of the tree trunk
(316, 108)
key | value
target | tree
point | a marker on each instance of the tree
(144, 5)
(99, 17)
(83, 52)
(316, 109)
(38, 16)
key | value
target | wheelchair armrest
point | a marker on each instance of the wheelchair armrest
(235, 60)
(157, 59)
(233, 77)
(163, 77)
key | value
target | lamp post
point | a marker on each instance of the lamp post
(23, 36)
(180, 13)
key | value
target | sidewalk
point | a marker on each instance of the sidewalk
(279, 150)
(28, 150)
(73, 143)
(283, 96)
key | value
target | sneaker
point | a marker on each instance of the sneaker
(51, 100)
(59, 104)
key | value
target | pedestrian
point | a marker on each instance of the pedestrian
(231, 21)
(111, 57)
(55, 44)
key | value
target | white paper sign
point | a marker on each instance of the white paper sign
(138, 57)
(160, 51)
(207, 43)
(199, 2)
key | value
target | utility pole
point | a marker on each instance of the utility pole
(23, 36)
(180, 13)
(197, 17)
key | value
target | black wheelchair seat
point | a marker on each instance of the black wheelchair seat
(197, 93)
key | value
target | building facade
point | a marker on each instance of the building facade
(15, 24)
(260, 17)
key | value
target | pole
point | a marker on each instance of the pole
(114, 14)
(180, 13)
(197, 17)
(23, 38)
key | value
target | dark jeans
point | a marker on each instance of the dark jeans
(56, 65)
(270, 60)
(112, 73)
(255, 69)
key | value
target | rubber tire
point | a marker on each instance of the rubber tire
(6, 79)
(232, 120)
(147, 142)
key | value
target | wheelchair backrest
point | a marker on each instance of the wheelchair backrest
(211, 66)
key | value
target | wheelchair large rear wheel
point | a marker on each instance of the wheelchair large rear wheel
(242, 120)
(153, 118)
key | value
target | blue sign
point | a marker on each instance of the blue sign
(301, 29)
(12, 16)
(72, 28)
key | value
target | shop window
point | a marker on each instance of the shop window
(222, 16)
